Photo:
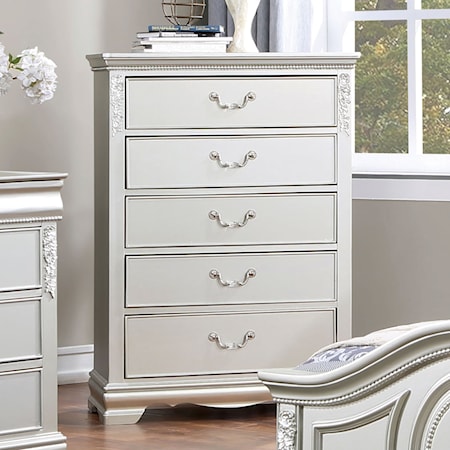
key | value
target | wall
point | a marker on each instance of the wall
(58, 135)
(401, 255)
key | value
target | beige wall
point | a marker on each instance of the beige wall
(400, 249)
(58, 135)
(401, 270)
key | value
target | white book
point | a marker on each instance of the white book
(213, 45)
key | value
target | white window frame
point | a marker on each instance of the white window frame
(412, 176)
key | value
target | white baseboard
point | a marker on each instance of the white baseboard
(75, 363)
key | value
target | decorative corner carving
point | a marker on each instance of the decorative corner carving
(50, 257)
(286, 430)
(344, 102)
(117, 103)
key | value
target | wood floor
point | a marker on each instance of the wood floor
(187, 428)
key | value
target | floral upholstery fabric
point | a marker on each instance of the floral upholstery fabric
(332, 358)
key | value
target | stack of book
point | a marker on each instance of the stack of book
(182, 38)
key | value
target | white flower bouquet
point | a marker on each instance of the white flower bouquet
(33, 69)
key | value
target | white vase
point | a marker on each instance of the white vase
(243, 12)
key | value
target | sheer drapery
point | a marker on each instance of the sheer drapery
(279, 26)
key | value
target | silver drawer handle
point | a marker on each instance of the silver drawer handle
(215, 156)
(214, 215)
(214, 337)
(215, 97)
(215, 275)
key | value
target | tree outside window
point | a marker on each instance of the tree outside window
(403, 83)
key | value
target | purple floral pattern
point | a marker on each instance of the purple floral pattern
(332, 358)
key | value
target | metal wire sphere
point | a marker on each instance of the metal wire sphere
(183, 12)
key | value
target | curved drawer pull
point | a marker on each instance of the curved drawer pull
(215, 97)
(214, 215)
(214, 337)
(215, 274)
(215, 156)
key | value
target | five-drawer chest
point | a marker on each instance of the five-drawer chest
(30, 207)
(222, 223)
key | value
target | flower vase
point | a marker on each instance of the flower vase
(243, 12)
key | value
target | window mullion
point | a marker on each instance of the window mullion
(415, 108)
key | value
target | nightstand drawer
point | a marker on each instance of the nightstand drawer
(20, 330)
(192, 344)
(230, 161)
(20, 405)
(20, 260)
(231, 102)
(232, 220)
(230, 279)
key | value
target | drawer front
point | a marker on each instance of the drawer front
(20, 405)
(228, 279)
(216, 162)
(186, 103)
(20, 330)
(183, 345)
(233, 220)
(20, 260)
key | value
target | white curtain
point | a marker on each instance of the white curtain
(279, 26)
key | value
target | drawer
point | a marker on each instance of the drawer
(217, 279)
(20, 330)
(20, 405)
(268, 219)
(186, 103)
(267, 161)
(20, 259)
(184, 345)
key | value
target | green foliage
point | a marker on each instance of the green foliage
(367, 5)
(381, 94)
(14, 60)
(436, 82)
(381, 80)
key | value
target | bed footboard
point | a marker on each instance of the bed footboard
(387, 390)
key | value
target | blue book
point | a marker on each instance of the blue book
(187, 28)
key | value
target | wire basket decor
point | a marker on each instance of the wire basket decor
(183, 12)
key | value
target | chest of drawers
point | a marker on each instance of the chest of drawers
(30, 206)
(223, 212)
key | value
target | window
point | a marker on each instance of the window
(402, 106)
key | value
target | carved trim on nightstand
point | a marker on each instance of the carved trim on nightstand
(117, 103)
(344, 102)
(29, 220)
(286, 430)
(49, 253)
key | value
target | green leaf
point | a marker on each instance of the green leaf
(14, 60)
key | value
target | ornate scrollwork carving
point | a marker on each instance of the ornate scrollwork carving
(286, 430)
(117, 103)
(50, 257)
(344, 102)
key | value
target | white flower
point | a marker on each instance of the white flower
(5, 76)
(34, 70)
(37, 74)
